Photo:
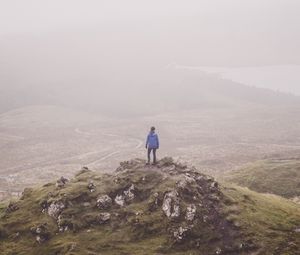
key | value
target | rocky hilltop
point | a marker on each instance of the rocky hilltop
(169, 208)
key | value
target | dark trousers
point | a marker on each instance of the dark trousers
(154, 154)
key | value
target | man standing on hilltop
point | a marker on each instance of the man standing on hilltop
(152, 144)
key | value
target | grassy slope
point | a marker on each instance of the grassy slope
(266, 220)
(280, 177)
(269, 219)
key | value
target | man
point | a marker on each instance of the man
(152, 144)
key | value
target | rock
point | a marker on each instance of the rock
(86, 204)
(181, 184)
(91, 186)
(190, 212)
(103, 217)
(297, 230)
(63, 223)
(16, 235)
(11, 207)
(44, 205)
(218, 251)
(120, 200)
(104, 202)
(41, 232)
(180, 233)
(61, 182)
(40, 239)
(154, 202)
(55, 209)
(214, 197)
(129, 195)
(171, 205)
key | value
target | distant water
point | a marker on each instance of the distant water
(281, 78)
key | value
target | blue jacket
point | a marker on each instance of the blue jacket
(152, 141)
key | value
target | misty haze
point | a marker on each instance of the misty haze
(82, 83)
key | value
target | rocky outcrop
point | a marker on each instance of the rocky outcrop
(171, 205)
(55, 209)
(135, 203)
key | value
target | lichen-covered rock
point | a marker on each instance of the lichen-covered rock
(126, 196)
(129, 195)
(55, 209)
(171, 204)
(104, 202)
(190, 212)
(40, 239)
(103, 217)
(120, 200)
(180, 233)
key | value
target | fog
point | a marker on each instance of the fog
(56, 51)
(81, 82)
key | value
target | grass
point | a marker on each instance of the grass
(268, 219)
(280, 177)
(266, 222)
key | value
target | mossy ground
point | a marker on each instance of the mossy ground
(264, 223)
(268, 220)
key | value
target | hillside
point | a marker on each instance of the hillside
(167, 90)
(280, 177)
(165, 209)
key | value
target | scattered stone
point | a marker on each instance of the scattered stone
(63, 223)
(16, 235)
(104, 202)
(205, 218)
(180, 234)
(129, 195)
(171, 205)
(120, 200)
(61, 182)
(11, 207)
(190, 212)
(40, 239)
(91, 186)
(103, 217)
(218, 251)
(44, 205)
(55, 209)
(86, 204)
(41, 232)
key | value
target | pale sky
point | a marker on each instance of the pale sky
(55, 38)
